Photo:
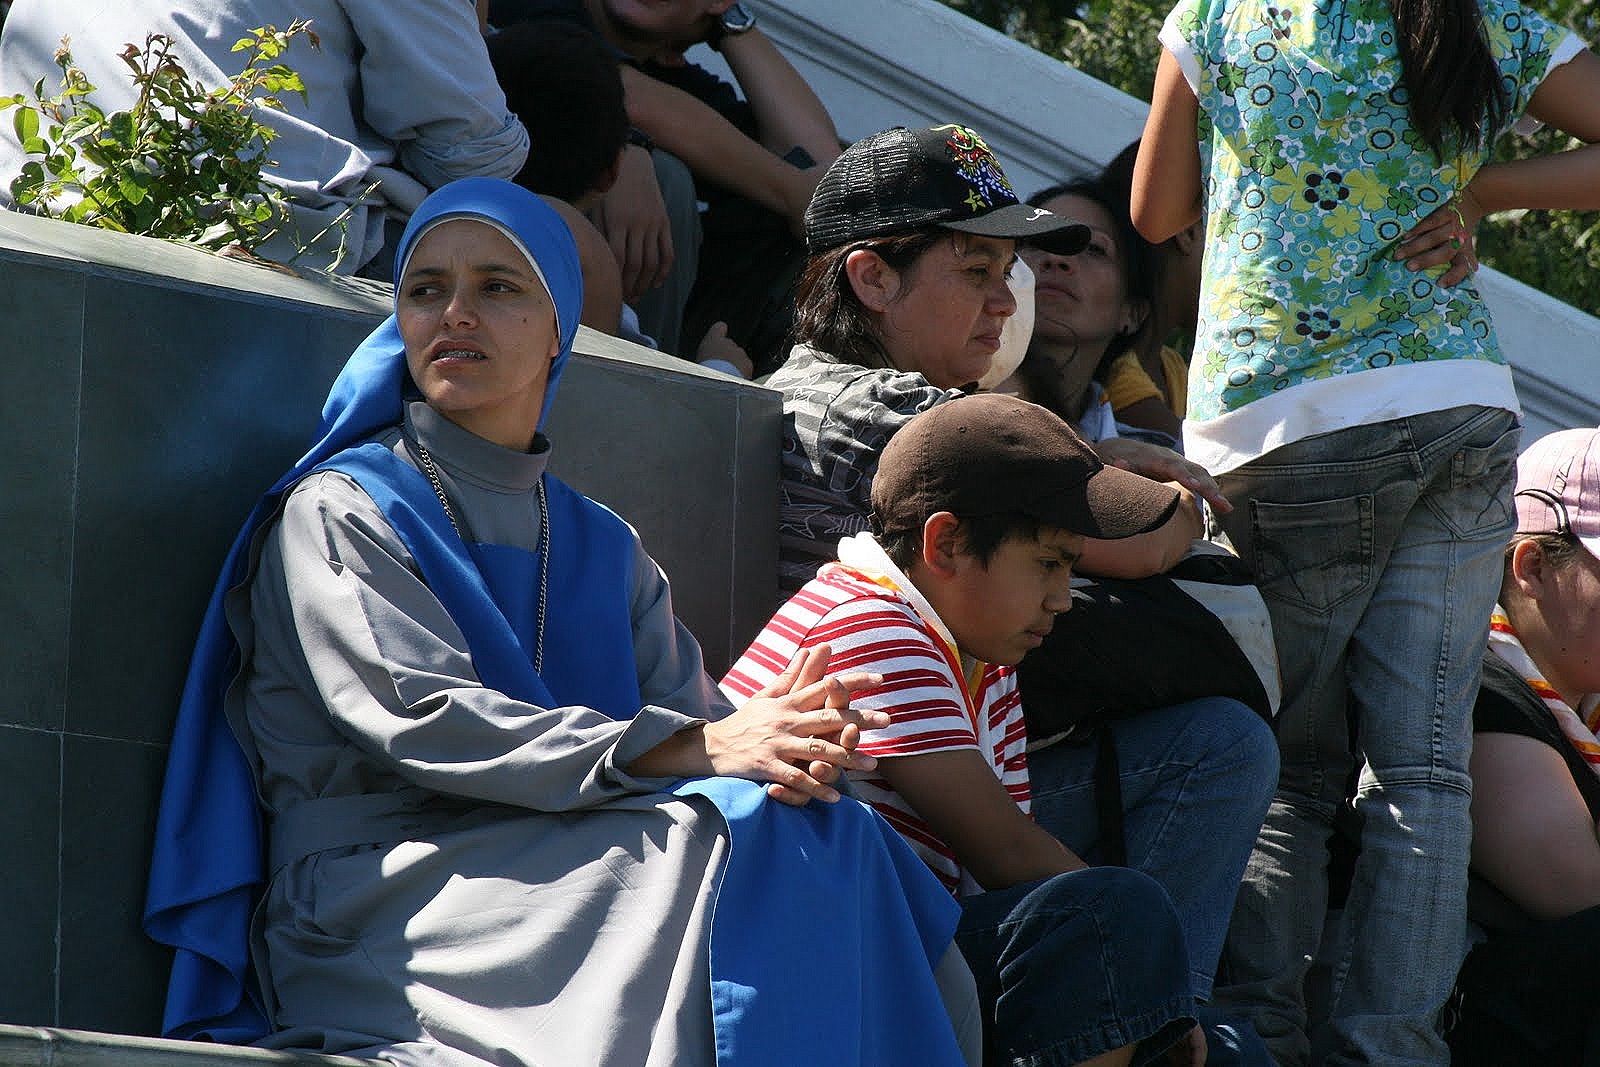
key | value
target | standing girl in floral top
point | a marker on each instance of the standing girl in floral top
(1348, 389)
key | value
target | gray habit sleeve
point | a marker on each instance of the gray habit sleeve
(337, 590)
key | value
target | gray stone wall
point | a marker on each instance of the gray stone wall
(151, 392)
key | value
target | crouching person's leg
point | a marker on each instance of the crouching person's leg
(1196, 779)
(1076, 967)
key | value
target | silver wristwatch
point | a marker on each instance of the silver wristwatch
(736, 20)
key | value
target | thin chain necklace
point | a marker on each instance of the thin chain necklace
(426, 459)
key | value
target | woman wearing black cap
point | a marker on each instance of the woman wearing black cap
(912, 234)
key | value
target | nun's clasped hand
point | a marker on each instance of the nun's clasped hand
(798, 734)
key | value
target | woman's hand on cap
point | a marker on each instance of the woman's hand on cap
(1162, 465)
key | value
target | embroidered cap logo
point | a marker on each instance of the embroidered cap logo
(976, 165)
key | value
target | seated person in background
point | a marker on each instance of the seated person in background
(1527, 993)
(901, 305)
(1089, 311)
(400, 99)
(756, 160)
(459, 690)
(1149, 387)
(979, 507)
(562, 81)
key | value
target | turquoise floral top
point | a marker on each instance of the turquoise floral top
(1312, 174)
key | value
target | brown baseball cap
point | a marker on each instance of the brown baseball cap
(993, 454)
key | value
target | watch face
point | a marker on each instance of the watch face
(737, 19)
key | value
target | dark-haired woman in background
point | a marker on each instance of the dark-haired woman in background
(1090, 311)
(1149, 385)
(1350, 395)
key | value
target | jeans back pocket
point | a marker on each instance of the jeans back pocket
(1480, 499)
(1315, 554)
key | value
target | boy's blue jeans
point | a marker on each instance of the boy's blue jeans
(1075, 965)
(1196, 781)
(1379, 551)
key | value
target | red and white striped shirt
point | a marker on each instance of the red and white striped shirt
(871, 619)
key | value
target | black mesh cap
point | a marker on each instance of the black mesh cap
(901, 180)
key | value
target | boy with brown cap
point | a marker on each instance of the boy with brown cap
(979, 507)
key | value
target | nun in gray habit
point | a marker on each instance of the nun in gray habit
(445, 741)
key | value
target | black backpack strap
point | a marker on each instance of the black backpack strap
(1108, 799)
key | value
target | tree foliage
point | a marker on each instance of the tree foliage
(1115, 41)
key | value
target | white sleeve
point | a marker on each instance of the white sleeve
(1173, 40)
(1564, 52)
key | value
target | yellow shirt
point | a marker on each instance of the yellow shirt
(1127, 383)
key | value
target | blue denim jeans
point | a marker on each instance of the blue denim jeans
(1075, 965)
(1378, 549)
(1196, 780)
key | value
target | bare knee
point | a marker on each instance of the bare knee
(602, 279)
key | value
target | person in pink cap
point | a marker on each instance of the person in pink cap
(1526, 993)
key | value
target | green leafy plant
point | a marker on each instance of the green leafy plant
(184, 163)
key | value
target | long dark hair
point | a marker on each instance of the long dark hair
(829, 316)
(1455, 95)
(1151, 262)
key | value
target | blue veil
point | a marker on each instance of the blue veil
(209, 859)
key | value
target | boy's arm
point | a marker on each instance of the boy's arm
(957, 794)
(633, 219)
(955, 791)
